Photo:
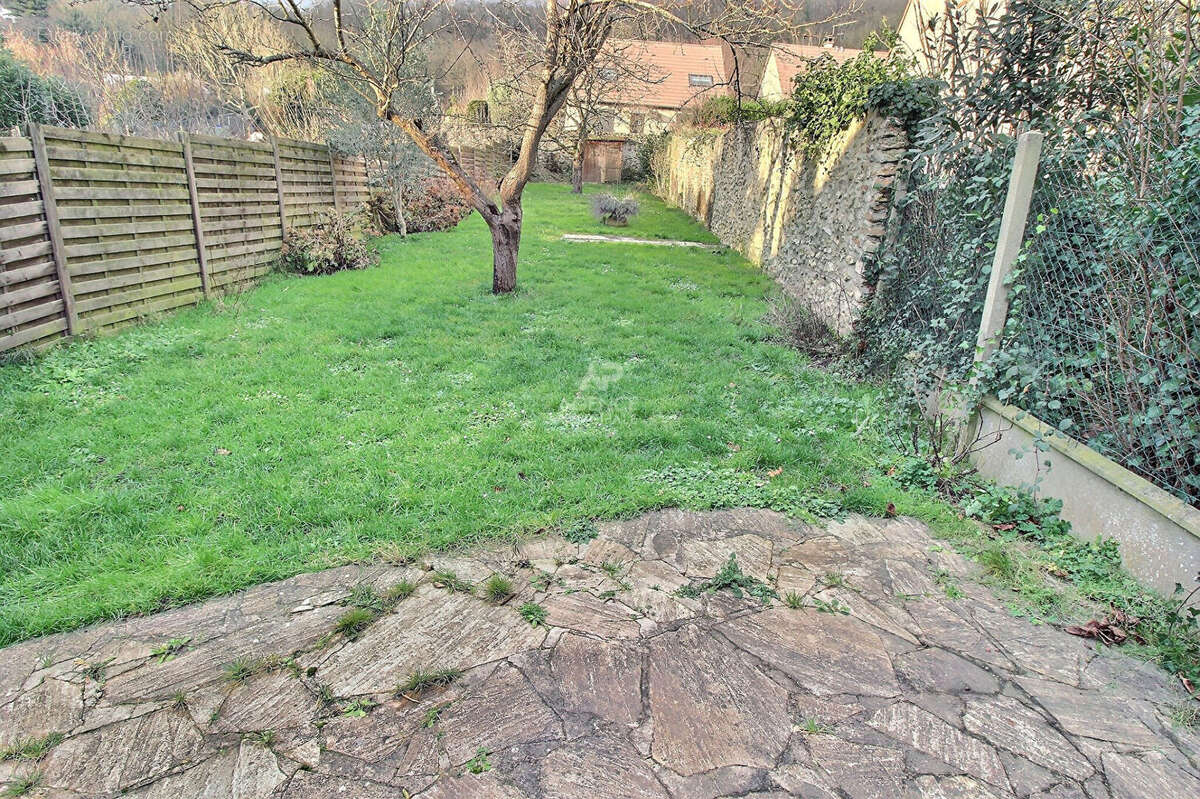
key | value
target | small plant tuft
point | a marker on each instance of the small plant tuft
(31, 748)
(580, 532)
(497, 588)
(533, 613)
(450, 581)
(23, 784)
(357, 708)
(241, 669)
(170, 649)
(421, 680)
(793, 600)
(480, 763)
(730, 578)
(399, 592)
(352, 623)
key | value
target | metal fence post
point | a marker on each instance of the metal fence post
(1008, 247)
(197, 222)
(53, 227)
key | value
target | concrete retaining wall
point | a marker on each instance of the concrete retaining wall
(1159, 534)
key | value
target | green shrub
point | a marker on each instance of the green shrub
(334, 244)
(28, 97)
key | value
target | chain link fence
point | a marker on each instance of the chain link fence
(1101, 338)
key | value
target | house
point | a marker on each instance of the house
(785, 61)
(651, 82)
(922, 27)
(657, 80)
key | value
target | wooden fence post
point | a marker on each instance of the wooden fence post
(53, 226)
(337, 204)
(1008, 247)
(279, 187)
(197, 222)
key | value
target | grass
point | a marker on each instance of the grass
(452, 582)
(497, 588)
(405, 409)
(31, 748)
(421, 680)
(19, 786)
(351, 623)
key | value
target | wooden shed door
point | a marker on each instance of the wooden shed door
(602, 162)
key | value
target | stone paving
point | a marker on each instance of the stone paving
(862, 679)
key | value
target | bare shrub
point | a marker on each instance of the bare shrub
(613, 210)
(334, 244)
(801, 328)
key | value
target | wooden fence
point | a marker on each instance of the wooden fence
(98, 230)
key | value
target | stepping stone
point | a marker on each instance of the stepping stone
(825, 653)
(203, 666)
(700, 685)
(926, 733)
(1148, 776)
(818, 555)
(124, 755)
(959, 787)
(248, 771)
(858, 770)
(471, 786)
(599, 768)
(502, 712)
(52, 706)
(1094, 715)
(597, 677)
(585, 613)
(937, 670)
(312, 785)
(275, 701)
(705, 558)
(430, 630)
(1006, 723)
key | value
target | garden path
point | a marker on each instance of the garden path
(879, 668)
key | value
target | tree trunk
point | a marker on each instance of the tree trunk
(506, 242)
(577, 168)
(398, 200)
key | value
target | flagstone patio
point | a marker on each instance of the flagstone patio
(861, 677)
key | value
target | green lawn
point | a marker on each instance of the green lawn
(316, 421)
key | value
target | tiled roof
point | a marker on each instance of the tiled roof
(663, 70)
(791, 59)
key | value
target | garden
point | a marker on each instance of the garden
(400, 409)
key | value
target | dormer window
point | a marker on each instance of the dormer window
(704, 81)
(608, 74)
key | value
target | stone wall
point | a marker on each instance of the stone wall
(814, 225)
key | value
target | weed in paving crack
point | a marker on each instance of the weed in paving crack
(533, 613)
(497, 588)
(31, 748)
(731, 578)
(421, 680)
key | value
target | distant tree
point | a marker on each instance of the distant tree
(370, 43)
(27, 97)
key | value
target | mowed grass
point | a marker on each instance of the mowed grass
(317, 421)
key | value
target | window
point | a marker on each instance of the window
(608, 74)
(637, 122)
(700, 80)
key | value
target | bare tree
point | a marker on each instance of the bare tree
(370, 42)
